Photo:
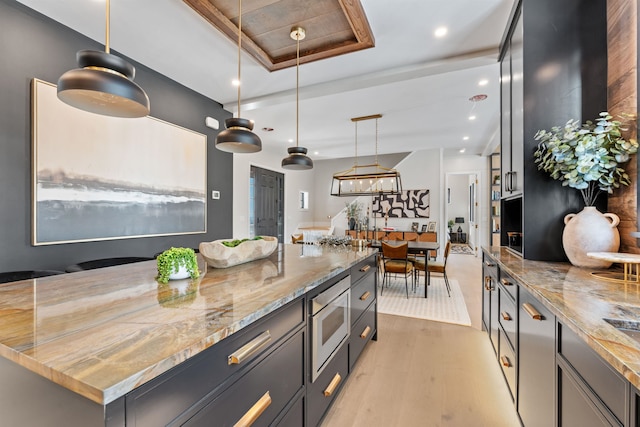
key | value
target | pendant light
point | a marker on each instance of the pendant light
(103, 84)
(237, 137)
(297, 159)
(366, 179)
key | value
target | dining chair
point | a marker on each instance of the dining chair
(295, 238)
(434, 267)
(395, 261)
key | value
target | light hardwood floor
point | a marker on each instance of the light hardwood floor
(423, 373)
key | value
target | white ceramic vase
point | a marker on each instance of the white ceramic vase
(590, 231)
(182, 273)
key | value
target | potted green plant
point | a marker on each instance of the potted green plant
(589, 157)
(450, 224)
(353, 211)
(177, 263)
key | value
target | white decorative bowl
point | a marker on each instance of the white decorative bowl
(218, 255)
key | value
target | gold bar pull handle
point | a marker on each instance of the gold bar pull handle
(506, 316)
(487, 283)
(505, 361)
(254, 412)
(365, 268)
(531, 311)
(365, 296)
(244, 352)
(505, 282)
(333, 385)
(365, 333)
(489, 264)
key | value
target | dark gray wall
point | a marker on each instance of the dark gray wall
(32, 45)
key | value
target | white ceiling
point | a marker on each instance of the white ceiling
(419, 83)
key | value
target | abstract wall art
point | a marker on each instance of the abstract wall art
(406, 204)
(101, 178)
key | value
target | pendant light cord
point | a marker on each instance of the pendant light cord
(239, 49)
(376, 142)
(297, 86)
(356, 145)
(106, 44)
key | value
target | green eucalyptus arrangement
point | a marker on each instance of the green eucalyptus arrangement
(587, 157)
(170, 260)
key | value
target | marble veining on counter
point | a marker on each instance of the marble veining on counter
(101, 333)
(582, 302)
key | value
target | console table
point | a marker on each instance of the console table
(458, 237)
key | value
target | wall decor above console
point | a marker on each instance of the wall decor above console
(406, 204)
(99, 178)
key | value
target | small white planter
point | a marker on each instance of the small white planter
(182, 273)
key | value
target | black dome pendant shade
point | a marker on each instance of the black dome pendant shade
(297, 159)
(237, 137)
(103, 85)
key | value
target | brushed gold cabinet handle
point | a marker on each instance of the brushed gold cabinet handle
(333, 385)
(249, 348)
(505, 282)
(366, 331)
(489, 264)
(531, 311)
(506, 316)
(254, 412)
(365, 268)
(487, 283)
(505, 361)
(365, 296)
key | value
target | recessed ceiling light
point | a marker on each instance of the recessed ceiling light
(472, 117)
(462, 150)
(465, 138)
(315, 153)
(290, 141)
(483, 82)
(440, 32)
(235, 82)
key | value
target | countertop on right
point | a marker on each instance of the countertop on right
(582, 301)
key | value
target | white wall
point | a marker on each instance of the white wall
(294, 182)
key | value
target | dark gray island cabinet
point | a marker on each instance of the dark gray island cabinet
(258, 374)
(550, 328)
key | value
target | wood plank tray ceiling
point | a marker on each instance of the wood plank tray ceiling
(333, 27)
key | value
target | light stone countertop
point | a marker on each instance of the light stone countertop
(581, 301)
(102, 333)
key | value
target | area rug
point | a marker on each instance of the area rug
(438, 306)
(461, 248)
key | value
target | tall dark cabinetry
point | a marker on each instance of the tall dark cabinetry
(553, 64)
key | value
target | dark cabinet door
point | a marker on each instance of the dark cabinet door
(575, 409)
(505, 119)
(536, 362)
(517, 110)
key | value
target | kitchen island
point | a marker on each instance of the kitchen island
(78, 346)
(567, 341)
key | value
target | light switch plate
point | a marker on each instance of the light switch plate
(215, 195)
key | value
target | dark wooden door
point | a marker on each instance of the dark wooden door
(268, 202)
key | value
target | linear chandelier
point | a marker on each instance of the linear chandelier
(364, 180)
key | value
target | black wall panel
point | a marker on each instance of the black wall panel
(32, 45)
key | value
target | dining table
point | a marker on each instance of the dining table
(414, 247)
